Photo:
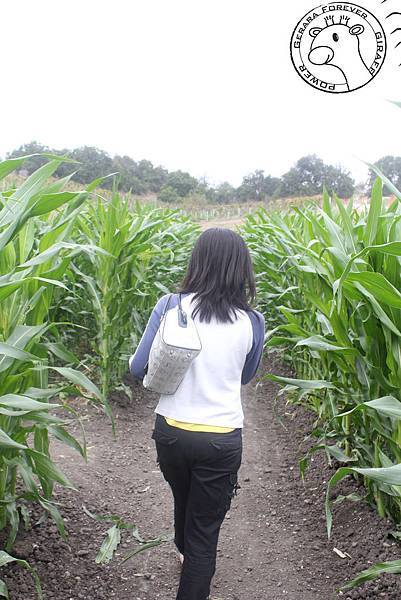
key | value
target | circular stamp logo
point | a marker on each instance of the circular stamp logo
(338, 47)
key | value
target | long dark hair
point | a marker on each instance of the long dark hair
(220, 274)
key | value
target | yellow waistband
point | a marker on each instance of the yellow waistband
(198, 426)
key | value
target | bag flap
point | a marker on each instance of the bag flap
(175, 335)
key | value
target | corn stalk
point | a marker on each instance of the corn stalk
(36, 220)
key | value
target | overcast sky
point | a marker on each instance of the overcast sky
(205, 86)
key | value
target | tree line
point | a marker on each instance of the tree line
(306, 178)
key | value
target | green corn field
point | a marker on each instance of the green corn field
(110, 292)
(328, 279)
(69, 263)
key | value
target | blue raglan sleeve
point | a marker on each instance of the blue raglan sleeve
(254, 356)
(139, 359)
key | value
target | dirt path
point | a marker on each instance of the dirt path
(273, 543)
(227, 223)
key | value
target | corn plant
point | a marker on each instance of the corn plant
(36, 220)
(145, 251)
(6, 559)
(329, 283)
(330, 277)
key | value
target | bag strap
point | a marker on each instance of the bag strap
(165, 307)
(182, 316)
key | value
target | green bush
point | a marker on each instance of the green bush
(169, 195)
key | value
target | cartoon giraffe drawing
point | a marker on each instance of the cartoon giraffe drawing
(338, 45)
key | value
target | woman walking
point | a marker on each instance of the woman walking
(198, 429)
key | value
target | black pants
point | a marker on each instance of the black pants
(201, 469)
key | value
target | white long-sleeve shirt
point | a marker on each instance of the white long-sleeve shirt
(210, 392)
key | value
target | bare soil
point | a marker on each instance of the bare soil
(273, 543)
(226, 223)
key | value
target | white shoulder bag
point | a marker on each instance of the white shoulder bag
(174, 347)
